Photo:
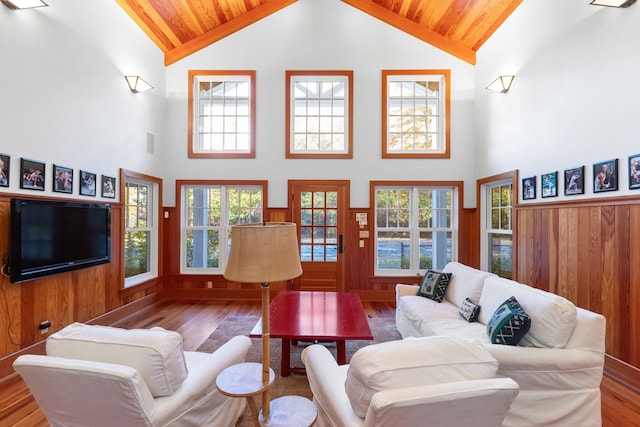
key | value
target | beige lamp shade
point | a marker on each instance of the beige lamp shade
(264, 252)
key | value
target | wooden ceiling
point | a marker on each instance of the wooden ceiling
(181, 27)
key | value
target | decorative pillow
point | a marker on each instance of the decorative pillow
(434, 285)
(509, 323)
(155, 353)
(469, 311)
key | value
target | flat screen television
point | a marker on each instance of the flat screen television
(50, 237)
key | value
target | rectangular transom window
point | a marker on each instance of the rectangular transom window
(222, 113)
(208, 212)
(415, 228)
(319, 105)
(415, 113)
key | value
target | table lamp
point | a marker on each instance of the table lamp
(263, 253)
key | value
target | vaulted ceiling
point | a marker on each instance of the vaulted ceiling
(181, 27)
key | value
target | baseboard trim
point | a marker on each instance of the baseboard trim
(622, 372)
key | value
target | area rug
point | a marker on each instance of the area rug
(382, 329)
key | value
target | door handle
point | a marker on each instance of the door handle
(340, 243)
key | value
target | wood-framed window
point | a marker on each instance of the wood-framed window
(222, 114)
(497, 196)
(416, 226)
(416, 113)
(319, 114)
(208, 210)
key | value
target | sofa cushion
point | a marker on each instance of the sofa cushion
(469, 311)
(414, 362)
(553, 317)
(466, 282)
(155, 353)
(509, 323)
(434, 285)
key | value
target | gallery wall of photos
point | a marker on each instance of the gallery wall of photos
(34, 175)
(607, 176)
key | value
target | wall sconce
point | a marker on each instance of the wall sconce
(501, 84)
(613, 3)
(23, 4)
(137, 84)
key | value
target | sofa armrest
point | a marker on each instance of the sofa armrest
(475, 402)
(327, 382)
(403, 289)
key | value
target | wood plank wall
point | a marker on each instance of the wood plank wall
(589, 252)
(64, 298)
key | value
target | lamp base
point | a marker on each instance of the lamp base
(293, 411)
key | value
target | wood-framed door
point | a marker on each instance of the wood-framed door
(319, 210)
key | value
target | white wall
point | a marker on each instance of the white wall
(63, 97)
(574, 100)
(320, 35)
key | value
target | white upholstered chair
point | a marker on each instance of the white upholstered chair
(434, 381)
(101, 376)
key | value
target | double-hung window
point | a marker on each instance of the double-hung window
(497, 236)
(208, 212)
(222, 113)
(318, 116)
(415, 113)
(415, 228)
(141, 205)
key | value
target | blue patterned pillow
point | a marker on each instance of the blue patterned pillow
(469, 311)
(434, 285)
(509, 323)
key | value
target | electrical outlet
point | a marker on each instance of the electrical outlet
(44, 327)
(209, 284)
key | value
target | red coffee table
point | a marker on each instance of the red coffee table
(315, 316)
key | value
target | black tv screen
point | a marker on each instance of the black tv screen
(50, 237)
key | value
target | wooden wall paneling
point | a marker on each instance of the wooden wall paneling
(633, 300)
(583, 268)
(621, 277)
(609, 293)
(594, 264)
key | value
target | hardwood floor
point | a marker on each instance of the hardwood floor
(196, 320)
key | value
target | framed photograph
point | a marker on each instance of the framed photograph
(529, 188)
(605, 176)
(108, 187)
(574, 181)
(549, 184)
(32, 174)
(634, 172)
(87, 183)
(5, 168)
(62, 179)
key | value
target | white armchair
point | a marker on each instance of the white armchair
(103, 377)
(403, 383)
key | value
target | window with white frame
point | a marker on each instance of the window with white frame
(318, 114)
(140, 230)
(222, 113)
(208, 212)
(415, 228)
(497, 236)
(415, 113)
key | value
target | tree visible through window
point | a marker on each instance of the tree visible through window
(415, 229)
(499, 230)
(208, 213)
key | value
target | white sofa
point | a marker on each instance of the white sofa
(106, 377)
(558, 364)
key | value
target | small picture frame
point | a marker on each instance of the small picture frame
(605, 176)
(634, 172)
(529, 188)
(5, 169)
(574, 181)
(549, 184)
(87, 183)
(108, 187)
(32, 174)
(62, 179)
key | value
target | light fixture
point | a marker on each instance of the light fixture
(613, 3)
(501, 84)
(23, 4)
(262, 253)
(137, 84)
